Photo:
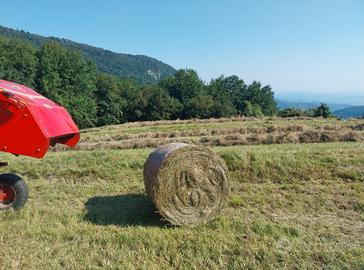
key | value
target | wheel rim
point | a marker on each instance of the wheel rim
(7, 196)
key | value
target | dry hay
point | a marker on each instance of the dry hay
(339, 131)
(172, 122)
(188, 184)
(308, 136)
(358, 127)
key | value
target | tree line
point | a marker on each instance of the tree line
(321, 111)
(94, 98)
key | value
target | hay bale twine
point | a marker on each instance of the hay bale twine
(188, 184)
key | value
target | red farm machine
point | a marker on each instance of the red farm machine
(29, 125)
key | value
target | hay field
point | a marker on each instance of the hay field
(294, 205)
(222, 132)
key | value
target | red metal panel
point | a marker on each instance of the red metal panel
(29, 122)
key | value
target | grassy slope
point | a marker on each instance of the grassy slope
(292, 206)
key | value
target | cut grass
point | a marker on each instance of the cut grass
(222, 132)
(292, 206)
(204, 124)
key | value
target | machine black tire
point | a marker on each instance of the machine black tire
(20, 188)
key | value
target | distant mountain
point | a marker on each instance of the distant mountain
(353, 111)
(309, 105)
(142, 68)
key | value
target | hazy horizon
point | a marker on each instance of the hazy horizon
(353, 99)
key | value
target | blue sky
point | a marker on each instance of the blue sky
(293, 45)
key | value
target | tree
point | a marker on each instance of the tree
(251, 110)
(110, 103)
(130, 92)
(18, 62)
(235, 90)
(291, 112)
(263, 97)
(322, 111)
(200, 107)
(223, 101)
(184, 86)
(69, 79)
(155, 103)
(230, 88)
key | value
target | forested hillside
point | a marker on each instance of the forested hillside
(140, 68)
(95, 98)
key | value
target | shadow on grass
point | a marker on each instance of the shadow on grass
(122, 210)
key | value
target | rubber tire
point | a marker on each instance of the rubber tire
(20, 188)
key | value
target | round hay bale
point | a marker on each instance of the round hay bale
(188, 184)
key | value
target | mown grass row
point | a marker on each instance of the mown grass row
(203, 124)
(291, 206)
(213, 132)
